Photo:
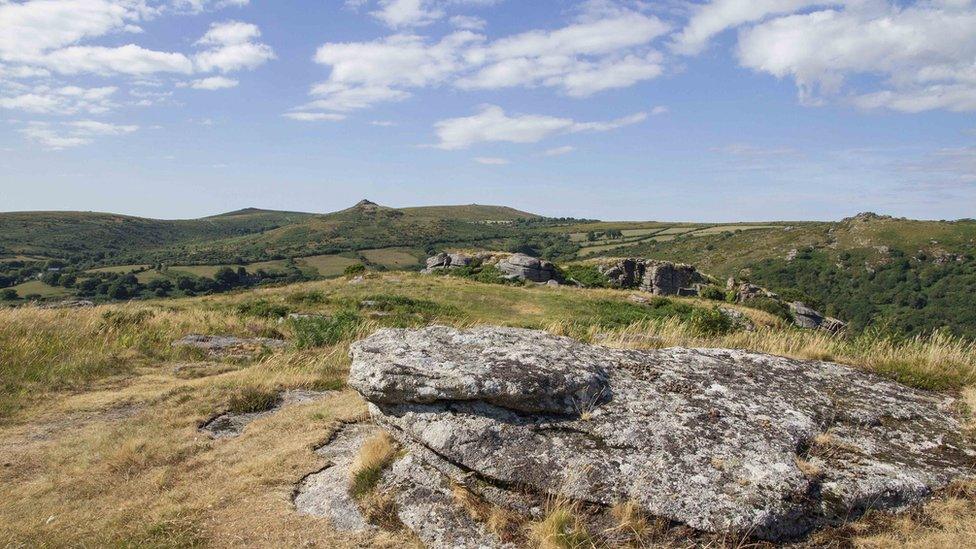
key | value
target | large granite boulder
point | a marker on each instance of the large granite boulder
(656, 277)
(808, 317)
(447, 261)
(524, 267)
(719, 440)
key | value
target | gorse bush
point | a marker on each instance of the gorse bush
(587, 275)
(772, 306)
(322, 331)
(354, 270)
(710, 322)
(711, 292)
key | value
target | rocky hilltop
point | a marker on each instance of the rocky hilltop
(709, 439)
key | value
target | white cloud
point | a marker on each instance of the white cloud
(233, 48)
(407, 13)
(559, 151)
(919, 57)
(197, 6)
(62, 100)
(72, 134)
(129, 59)
(717, 16)
(93, 127)
(468, 22)
(214, 83)
(314, 116)
(660, 109)
(491, 124)
(229, 32)
(749, 150)
(597, 52)
(491, 160)
(383, 123)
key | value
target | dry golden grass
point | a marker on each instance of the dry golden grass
(99, 443)
(376, 453)
(562, 527)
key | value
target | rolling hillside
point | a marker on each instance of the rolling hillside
(65, 234)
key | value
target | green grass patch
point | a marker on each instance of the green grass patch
(319, 332)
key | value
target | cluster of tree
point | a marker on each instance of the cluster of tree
(905, 294)
(607, 234)
(548, 246)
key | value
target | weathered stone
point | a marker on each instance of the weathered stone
(807, 317)
(229, 346)
(426, 505)
(528, 268)
(387, 368)
(447, 261)
(716, 439)
(666, 278)
(656, 277)
(325, 493)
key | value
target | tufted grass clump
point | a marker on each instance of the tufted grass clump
(375, 455)
(320, 332)
(249, 399)
(562, 527)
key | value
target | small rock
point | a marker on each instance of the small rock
(230, 346)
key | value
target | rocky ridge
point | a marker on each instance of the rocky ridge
(718, 440)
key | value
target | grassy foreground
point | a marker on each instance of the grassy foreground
(99, 413)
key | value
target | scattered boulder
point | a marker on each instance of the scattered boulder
(325, 493)
(447, 261)
(218, 346)
(524, 267)
(720, 440)
(745, 291)
(739, 320)
(68, 304)
(807, 317)
(229, 424)
(656, 277)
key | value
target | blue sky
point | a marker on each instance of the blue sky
(713, 111)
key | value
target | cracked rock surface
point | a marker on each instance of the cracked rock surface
(325, 493)
(720, 440)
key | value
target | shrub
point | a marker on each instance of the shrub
(8, 294)
(710, 322)
(772, 306)
(263, 308)
(711, 292)
(354, 270)
(318, 332)
(587, 275)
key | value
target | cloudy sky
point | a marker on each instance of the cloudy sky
(615, 109)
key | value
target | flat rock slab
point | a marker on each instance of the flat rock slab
(435, 365)
(229, 424)
(325, 493)
(425, 504)
(219, 346)
(720, 440)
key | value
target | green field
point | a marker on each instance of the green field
(36, 287)
(328, 265)
(393, 258)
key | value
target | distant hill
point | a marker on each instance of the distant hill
(63, 234)
(250, 234)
